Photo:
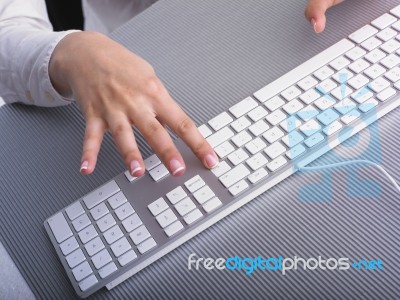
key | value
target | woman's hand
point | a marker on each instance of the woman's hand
(315, 12)
(116, 89)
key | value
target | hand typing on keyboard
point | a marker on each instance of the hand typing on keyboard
(315, 12)
(115, 93)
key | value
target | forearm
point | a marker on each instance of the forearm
(26, 45)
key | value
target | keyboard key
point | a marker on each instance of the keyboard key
(350, 117)
(185, 206)
(242, 108)
(127, 258)
(99, 211)
(159, 172)
(292, 139)
(151, 162)
(240, 124)
(325, 102)
(238, 187)
(204, 194)
(306, 114)
(113, 234)
(99, 195)
(259, 127)
(204, 130)
(332, 128)
(397, 85)
(194, 183)
(393, 75)
(326, 86)
(140, 234)
(307, 83)
(293, 106)
(176, 195)
(277, 163)
(147, 245)
(117, 200)
(120, 247)
(173, 228)
(371, 44)
(291, 93)
(74, 210)
(359, 65)
(238, 156)
(124, 211)
(220, 136)
(257, 175)
(345, 106)
(339, 63)
(130, 177)
(60, 227)
(275, 150)
(356, 53)
(362, 34)
(368, 105)
(384, 21)
(69, 245)
(343, 76)
(81, 222)
(87, 234)
(257, 114)
(106, 222)
(390, 46)
(390, 61)
(375, 55)
(387, 34)
(396, 11)
(362, 95)
(396, 26)
(75, 258)
(314, 140)
(276, 117)
(379, 84)
(310, 127)
(255, 146)
(165, 218)
(241, 138)
(231, 177)
(273, 135)
(274, 103)
(192, 216)
(158, 206)
(295, 151)
(327, 116)
(341, 92)
(256, 161)
(82, 271)
(222, 168)
(290, 123)
(375, 71)
(310, 96)
(107, 270)
(212, 204)
(324, 73)
(101, 259)
(358, 81)
(220, 121)
(386, 94)
(88, 283)
(131, 222)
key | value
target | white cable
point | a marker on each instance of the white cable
(353, 162)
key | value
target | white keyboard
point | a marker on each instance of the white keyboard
(123, 226)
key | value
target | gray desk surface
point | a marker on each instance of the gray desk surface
(212, 54)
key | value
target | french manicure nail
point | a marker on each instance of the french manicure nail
(211, 161)
(84, 166)
(176, 166)
(135, 167)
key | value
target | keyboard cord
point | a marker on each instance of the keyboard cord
(352, 162)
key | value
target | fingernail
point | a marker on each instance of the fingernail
(135, 167)
(211, 161)
(176, 166)
(84, 166)
(314, 25)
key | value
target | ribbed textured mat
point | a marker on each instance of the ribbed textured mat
(211, 54)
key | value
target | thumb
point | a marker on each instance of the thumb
(315, 12)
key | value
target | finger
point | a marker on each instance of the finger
(161, 142)
(124, 139)
(184, 127)
(315, 12)
(94, 134)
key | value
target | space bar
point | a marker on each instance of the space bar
(303, 70)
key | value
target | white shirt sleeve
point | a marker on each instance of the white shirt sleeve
(27, 42)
